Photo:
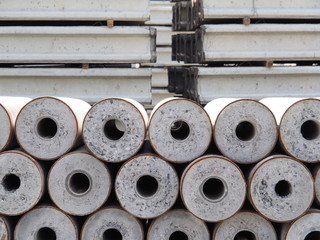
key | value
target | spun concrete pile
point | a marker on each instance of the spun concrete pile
(234, 169)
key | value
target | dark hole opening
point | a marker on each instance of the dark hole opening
(283, 188)
(245, 235)
(147, 186)
(79, 183)
(315, 235)
(46, 234)
(114, 129)
(112, 234)
(245, 131)
(213, 188)
(310, 130)
(47, 128)
(178, 235)
(180, 130)
(11, 182)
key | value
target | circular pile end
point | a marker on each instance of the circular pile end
(114, 129)
(46, 128)
(317, 185)
(45, 223)
(180, 130)
(147, 186)
(79, 184)
(306, 227)
(245, 225)
(178, 225)
(281, 188)
(21, 183)
(4, 230)
(300, 130)
(112, 223)
(5, 128)
(245, 131)
(213, 188)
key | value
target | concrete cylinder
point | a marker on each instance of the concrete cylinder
(178, 225)
(9, 109)
(147, 186)
(112, 224)
(281, 188)
(245, 225)
(79, 184)
(4, 229)
(179, 130)
(213, 188)
(299, 126)
(306, 227)
(49, 127)
(244, 130)
(114, 129)
(44, 223)
(317, 185)
(22, 183)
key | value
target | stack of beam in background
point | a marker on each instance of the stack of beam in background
(235, 169)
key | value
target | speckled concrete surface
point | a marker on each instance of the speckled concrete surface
(163, 198)
(252, 222)
(30, 189)
(112, 218)
(293, 200)
(87, 200)
(168, 112)
(45, 217)
(178, 221)
(4, 232)
(5, 128)
(213, 167)
(317, 185)
(130, 113)
(68, 114)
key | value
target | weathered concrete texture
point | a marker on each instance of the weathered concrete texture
(281, 188)
(234, 138)
(300, 139)
(51, 140)
(217, 201)
(251, 222)
(79, 184)
(112, 219)
(178, 221)
(304, 227)
(48, 219)
(104, 143)
(191, 143)
(4, 230)
(317, 185)
(131, 193)
(9, 109)
(22, 183)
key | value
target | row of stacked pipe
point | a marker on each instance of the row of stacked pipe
(234, 169)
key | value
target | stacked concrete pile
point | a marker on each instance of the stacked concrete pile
(235, 169)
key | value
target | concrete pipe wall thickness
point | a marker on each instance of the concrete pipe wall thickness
(317, 185)
(306, 227)
(245, 225)
(213, 188)
(4, 229)
(244, 130)
(299, 127)
(45, 223)
(49, 127)
(281, 188)
(114, 129)
(178, 225)
(147, 186)
(9, 109)
(112, 224)
(79, 184)
(22, 183)
(179, 130)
